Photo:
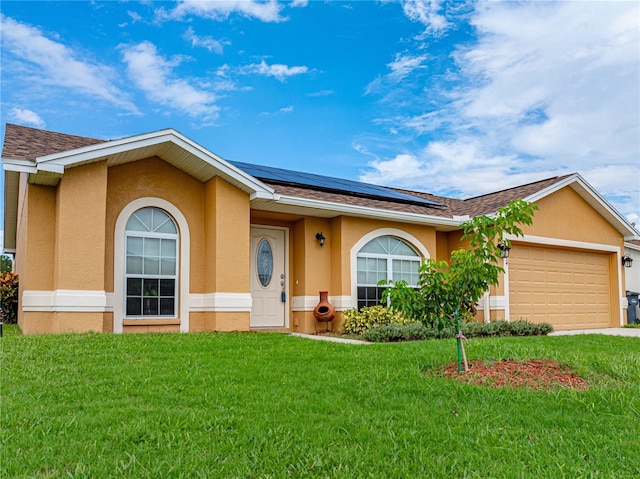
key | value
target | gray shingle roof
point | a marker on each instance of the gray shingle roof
(24, 143)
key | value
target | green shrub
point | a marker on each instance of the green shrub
(494, 328)
(447, 332)
(9, 297)
(504, 328)
(542, 329)
(390, 332)
(523, 328)
(396, 332)
(357, 322)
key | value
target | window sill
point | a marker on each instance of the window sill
(151, 322)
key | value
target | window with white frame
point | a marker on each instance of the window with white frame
(151, 281)
(385, 258)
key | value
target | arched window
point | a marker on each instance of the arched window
(385, 258)
(151, 264)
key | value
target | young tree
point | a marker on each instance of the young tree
(445, 287)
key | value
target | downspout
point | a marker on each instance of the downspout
(507, 309)
(486, 307)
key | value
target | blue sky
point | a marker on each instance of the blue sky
(457, 99)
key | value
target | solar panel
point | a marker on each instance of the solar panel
(330, 184)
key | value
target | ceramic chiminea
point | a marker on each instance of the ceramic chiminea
(324, 310)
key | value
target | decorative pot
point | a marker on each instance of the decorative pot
(324, 310)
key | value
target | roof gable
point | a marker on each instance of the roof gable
(47, 163)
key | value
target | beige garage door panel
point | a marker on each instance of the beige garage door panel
(569, 289)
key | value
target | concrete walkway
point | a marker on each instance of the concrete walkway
(630, 332)
(333, 339)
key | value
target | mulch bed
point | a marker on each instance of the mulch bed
(543, 374)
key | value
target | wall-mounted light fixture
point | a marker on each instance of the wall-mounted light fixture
(320, 237)
(504, 250)
(627, 260)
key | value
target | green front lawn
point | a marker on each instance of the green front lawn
(271, 405)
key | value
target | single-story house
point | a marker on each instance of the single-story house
(156, 233)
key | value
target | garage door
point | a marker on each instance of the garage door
(569, 289)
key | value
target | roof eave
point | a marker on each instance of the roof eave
(199, 162)
(332, 209)
(25, 166)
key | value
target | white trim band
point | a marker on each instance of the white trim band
(497, 302)
(542, 240)
(66, 301)
(220, 302)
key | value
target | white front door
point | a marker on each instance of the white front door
(268, 278)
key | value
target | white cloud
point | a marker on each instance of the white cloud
(427, 12)
(404, 65)
(207, 42)
(135, 17)
(221, 10)
(46, 62)
(278, 71)
(282, 111)
(24, 116)
(445, 168)
(549, 88)
(154, 75)
(394, 170)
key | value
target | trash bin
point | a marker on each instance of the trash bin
(632, 299)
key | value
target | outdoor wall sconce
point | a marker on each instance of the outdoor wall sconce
(504, 250)
(627, 260)
(320, 237)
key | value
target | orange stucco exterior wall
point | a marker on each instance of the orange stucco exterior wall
(218, 217)
(35, 252)
(227, 229)
(328, 268)
(61, 243)
(154, 177)
(80, 229)
(566, 215)
(66, 241)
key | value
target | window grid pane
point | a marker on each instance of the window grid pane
(371, 270)
(406, 270)
(151, 264)
(382, 259)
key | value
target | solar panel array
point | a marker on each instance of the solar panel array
(330, 184)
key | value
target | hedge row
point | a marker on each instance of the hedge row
(418, 331)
